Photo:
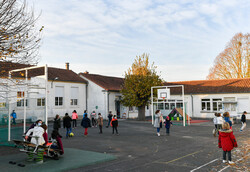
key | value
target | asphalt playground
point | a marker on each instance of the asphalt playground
(138, 148)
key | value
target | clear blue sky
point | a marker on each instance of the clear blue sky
(182, 37)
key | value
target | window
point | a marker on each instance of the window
(74, 96)
(130, 108)
(58, 101)
(73, 102)
(41, 102)
(160, 106)
(179, 105)
(59, 96)
(205, 104)
(217, 104)
(20, 103)
(2, 104)
(172, 105)
(166, 106)
(20, 99)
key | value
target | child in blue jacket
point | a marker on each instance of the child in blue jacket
(168, 123)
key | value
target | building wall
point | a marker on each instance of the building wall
(38, 112)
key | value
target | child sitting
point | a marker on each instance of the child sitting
(227, 142)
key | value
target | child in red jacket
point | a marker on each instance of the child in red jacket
(227, 142)
(114, 124)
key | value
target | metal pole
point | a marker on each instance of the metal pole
(184, 114)
(46, 94)
(9, 100)
(152, 106)
(24, 103)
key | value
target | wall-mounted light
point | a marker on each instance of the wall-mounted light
(56, 78)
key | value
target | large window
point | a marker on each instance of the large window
(217, 104)
(205, 104)
(160, 106)
(59, 96)
(74, 96)
(20, 99)
(41, 102)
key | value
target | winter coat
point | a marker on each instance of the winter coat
(57, 123)
(37, 132)
(67, 122)
(74, 115)
(168, 123)
(85, 122)
(219, 120)
(243, 118)
(45, 137)
(110, 116)
(157, 120)
(227, 119)
(227, 140)
(114, 122)
(100, 120)
(13, 114)
(93, 115)
(215, 121)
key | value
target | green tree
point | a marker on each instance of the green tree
(139, 79)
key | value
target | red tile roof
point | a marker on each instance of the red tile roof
(62, 74)
(213, 86)
(107, 82)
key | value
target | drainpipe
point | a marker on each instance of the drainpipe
(87, 96)
(107, 103)
(192, 103)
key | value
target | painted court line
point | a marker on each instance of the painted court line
(204, 165)
(177, 158)
(229, 165)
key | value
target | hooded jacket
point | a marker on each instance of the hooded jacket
(227, 140)
(114, 122)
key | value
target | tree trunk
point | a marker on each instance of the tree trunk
(141, 113)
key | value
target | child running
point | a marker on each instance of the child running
(215, 124)
(227, 142)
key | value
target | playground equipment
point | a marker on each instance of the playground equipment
(162, 100)
(176, 113)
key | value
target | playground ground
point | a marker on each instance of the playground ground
(137, 148)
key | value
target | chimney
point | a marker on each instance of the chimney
(67, 65)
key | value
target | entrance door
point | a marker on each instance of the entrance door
(118, 108)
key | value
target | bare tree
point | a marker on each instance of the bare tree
(234, 61)
(19, 38)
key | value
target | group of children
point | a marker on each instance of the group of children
(226, 139)
(86, 122)
(37, 135)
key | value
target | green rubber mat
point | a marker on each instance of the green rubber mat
(72, 159)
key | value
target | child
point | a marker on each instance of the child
(85, 124)
(93, 117)
(167, 124)
(219, 122)
(74, 118)
(114, 124)
(227, 142)
(38, 138)
(226, 116)
(243, 121)
(67, 124)
(100, 122)
(57, 122)
(56, 136)
(215, 124)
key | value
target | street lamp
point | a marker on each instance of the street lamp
(56, 78)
